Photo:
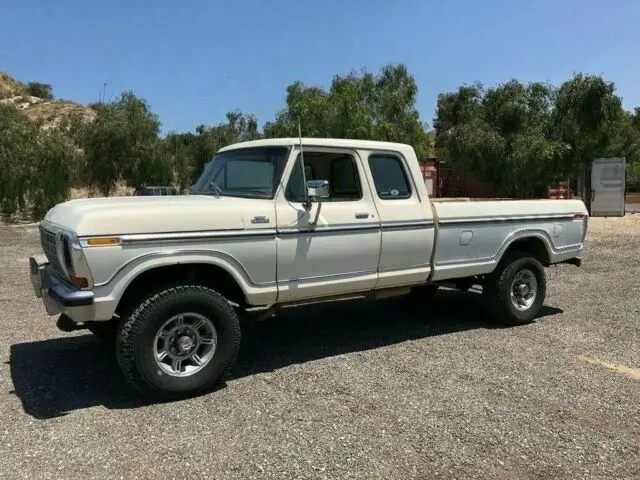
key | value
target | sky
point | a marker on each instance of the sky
(195, 61)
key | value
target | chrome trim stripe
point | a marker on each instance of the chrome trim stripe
(348, 228)
(470, 261)
(204, 235)
(509, 219)
(404, 267)
(411, 225)
(330, 276)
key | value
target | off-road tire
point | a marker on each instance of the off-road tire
(496, 290)
(136, 334)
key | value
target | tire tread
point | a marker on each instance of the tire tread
(496, 289)
(129, 329)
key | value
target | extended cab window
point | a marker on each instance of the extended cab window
(389, 177)
(339, 169)
(250, 172)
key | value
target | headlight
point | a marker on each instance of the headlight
(74, 261)
(66, 254)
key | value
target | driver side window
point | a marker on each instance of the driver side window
(339, 169)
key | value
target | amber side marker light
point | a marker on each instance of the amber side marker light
(103, 241)
(80, 282)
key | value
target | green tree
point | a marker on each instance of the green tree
(36, 165)
(587, 117)
(366, 106)
(503, 135)
(119, 144)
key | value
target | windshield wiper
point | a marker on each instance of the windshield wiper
(217, 191)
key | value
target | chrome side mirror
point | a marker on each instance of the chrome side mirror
(317, 189)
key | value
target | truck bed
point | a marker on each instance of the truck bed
(472, 235)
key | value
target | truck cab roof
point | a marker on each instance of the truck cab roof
(321, 142)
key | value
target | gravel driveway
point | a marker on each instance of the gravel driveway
(353, 390)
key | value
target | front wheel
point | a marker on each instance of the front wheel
(516, 290)
(179, 342)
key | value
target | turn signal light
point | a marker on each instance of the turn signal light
(103, 241)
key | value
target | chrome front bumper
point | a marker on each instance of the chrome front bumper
(58, 295)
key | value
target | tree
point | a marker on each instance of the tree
(502, 134)
(40, 90)
(587, 118)
(366, 106)
(36, 165)
(119, 144)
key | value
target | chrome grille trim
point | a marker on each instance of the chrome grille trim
(49, 247)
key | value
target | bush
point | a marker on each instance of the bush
(40, 90)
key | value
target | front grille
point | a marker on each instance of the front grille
(48, 242)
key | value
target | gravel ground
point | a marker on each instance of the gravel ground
(357, 390)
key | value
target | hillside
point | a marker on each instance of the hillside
(46, 112)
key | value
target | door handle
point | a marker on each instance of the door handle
(362, 215)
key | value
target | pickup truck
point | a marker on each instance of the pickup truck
(278, 223)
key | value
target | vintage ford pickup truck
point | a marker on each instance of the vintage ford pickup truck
(278, 223)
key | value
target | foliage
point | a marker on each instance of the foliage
(40, 90)
(503, 134)
(36, 165)
(587, 117)
(367, 106)
(120, 144)
(521, 138)
(518, 137)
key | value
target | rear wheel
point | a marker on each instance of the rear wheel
(516, 290)
(179, 342)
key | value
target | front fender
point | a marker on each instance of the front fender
(110, 292)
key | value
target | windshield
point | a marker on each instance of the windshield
(249, 172)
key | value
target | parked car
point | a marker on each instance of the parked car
(260, 232)
(155, 190)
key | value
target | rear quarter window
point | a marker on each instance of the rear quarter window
(389, 176)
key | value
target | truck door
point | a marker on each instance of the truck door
(608, 187)
(406, 218)
(334, 247)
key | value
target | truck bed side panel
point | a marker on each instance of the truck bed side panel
(473, 236)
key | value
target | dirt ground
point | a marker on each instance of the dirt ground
(355, 390)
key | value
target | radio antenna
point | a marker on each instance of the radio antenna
(304, 176)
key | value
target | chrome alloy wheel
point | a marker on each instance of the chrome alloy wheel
(185, 344)
(524, 289)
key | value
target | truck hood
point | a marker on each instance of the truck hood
(158, 214)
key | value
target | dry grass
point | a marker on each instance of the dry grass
(52, 113)
(601, 228)
(120, 191)
(9, 86)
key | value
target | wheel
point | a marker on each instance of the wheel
(179, 342)
(516, 290)
(104, 330)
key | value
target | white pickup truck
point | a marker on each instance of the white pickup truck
(279, 223)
